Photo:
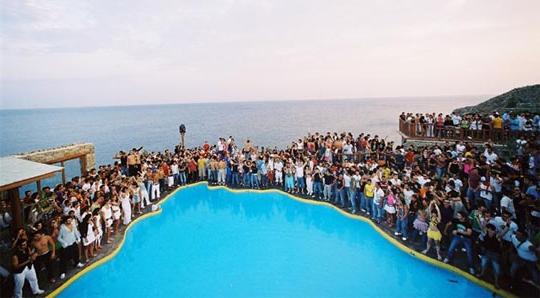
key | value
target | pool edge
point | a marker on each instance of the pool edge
(114, 252)
(385, 235)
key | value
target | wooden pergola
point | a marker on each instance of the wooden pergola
(16, 172)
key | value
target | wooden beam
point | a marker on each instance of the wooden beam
(26, 181)
(67, 157)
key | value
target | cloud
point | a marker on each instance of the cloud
(40, 16)
(265, 49)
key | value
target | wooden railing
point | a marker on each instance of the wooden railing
(420, 131)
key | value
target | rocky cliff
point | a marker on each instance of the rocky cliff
(523, 99)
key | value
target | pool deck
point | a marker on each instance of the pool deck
(110, 250)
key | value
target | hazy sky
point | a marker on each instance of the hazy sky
(90, 52)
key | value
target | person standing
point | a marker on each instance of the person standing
(329, 180)
(22, 262)
(462, 233)
(299, 176)
(369, 193)
(378, 203)
(402, 219)
(433, 233)
(491, 249)
(143, 193)
(340, 192)
(222, 167)
(278, 167)
(69, 239)
(526, 257)
(317, 184)
(125, 203)
(46, 250)
(88, 236)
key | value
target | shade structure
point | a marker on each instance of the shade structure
(16, 172)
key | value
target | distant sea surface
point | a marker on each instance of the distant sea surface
(155, 127)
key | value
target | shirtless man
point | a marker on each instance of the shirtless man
(46, 251)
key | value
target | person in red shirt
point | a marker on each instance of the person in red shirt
(473, 189)
(409, 157)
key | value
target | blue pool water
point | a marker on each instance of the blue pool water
(215, 243)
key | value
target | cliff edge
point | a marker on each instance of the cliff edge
(523, 99)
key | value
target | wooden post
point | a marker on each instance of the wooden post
(82, 161)
(16, 209)
(63, 173)
(38, 185)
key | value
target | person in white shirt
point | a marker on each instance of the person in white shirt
(348, 151)
(377, 203)
(496, 184)
(349, 189)
(175, 173)
(407, 194)
(486, 192)
(422, 179)
(86, 186)
(456, 119)
(491, 156)
(458, 184)
(300, 145)
(69, 239)
(299, 176)
(526, 257)
(221, 145)
(505, 226)
(309, 183)
(460, 148)
(278, 175)
(508, 204)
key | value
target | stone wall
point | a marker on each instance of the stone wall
(85, 152)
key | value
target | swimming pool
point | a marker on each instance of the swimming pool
(217, 243)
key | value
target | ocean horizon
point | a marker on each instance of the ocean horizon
(476, 97)
(155, 127)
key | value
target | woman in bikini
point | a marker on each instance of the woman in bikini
(433, 233)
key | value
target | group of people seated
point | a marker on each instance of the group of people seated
(436, 199)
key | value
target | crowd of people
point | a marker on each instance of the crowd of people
(492, 126)
(436, 199)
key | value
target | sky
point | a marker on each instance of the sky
(63, 53)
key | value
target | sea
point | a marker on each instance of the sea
(155, 127)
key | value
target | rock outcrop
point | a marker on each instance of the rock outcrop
(523, 99)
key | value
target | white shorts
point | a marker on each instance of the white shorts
(390, 209)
